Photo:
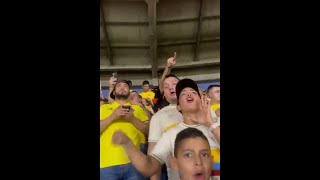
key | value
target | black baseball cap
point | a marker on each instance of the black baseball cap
(184, 83)
(129, 82)
(123, 81)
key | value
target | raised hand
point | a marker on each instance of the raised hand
(112, 81)
(204, 116)
(172, 60)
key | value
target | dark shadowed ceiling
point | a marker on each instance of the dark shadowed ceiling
(138, 36)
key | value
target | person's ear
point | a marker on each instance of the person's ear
(173, 163)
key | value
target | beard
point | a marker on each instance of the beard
(122, 96)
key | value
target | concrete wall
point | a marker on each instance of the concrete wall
(127, 26)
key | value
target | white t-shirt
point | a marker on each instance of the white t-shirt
(163, 150)
(162, 121)
(165, 119)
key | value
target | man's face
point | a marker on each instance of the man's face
(169, 89)
(134, 98)
(122, 91)
(189, 100)
(193, 161)
(145, 87)
(214, 94)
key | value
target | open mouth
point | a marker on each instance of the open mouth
(199, 176)
(172, 93)
(190, 99)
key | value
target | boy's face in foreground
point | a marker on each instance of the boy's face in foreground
(193, 161)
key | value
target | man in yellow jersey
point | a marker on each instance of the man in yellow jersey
(147, 93)
(132, 120)
(214, 93)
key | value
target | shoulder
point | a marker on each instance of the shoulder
(162, 113)
(151, 92)
(173, 130)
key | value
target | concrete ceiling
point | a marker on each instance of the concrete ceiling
(138, 36)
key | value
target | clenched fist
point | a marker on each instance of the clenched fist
(119, 138)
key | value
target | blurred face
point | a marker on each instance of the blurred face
(122, 91)
(214, 94)
(134, 98)
(145, 87)
(193, 161)
(169, 89)
(189, 100)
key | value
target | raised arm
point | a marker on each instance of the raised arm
(146, 165)
(112, 83)
(170, 63)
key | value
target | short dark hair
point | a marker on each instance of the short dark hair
(145, 82)
(185, 134)
(129, 82)
(171, 75)
(212, 86)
